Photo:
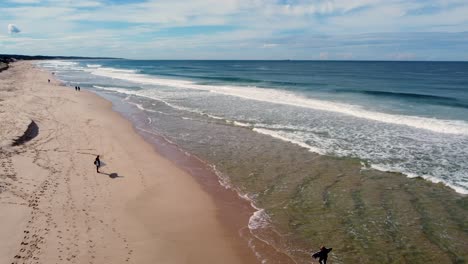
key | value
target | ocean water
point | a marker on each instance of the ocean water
(296, 137)
(408, 117)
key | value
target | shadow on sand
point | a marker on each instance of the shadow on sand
(112, 175)
(31, 132)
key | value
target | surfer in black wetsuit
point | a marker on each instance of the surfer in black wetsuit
(322, 255)
(97, 162)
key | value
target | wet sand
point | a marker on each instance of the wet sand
(55, 208)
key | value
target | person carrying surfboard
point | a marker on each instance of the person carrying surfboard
(322, 255)
(97, 162)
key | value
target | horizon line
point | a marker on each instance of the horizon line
(314, 60)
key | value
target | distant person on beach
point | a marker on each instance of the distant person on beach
(322, 255)
(48, 80)
(79, 88)
(76, 88)
(97, 162)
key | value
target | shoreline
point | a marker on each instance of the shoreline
(148, 209)
(235, 210)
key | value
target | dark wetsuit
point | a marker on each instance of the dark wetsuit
(322, 255)
(97, 162)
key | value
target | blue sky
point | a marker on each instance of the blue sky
(238, 29)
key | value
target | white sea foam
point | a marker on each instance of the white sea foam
(117, 89)
(139, 106)
(284, 138)
(222, 179)
(148, 94)
(113, 72)
(433, 179)
(241, 124)
(57, 63)
(214, 117)
(93, 65)
(460, 186)
(287, 98)
(259, 219)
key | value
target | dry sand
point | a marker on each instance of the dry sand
(55, 208)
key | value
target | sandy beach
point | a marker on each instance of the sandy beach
(55, 208)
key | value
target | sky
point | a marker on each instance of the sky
(237, 29)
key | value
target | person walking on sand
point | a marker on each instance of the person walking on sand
(322, 255)
(97, 162)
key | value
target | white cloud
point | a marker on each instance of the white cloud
(298, 29)
(87, 4)
(13, 29)
(25, 1)
(36, 14)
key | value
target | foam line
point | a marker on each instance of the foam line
(288, 98)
